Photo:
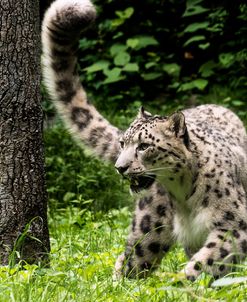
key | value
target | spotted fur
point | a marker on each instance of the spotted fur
(191, 164)
(63, 23)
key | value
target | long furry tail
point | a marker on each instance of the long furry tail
(62, 25)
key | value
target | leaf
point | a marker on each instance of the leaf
(228, 281)
(141, 42)
(150, 64)
(122, 58)
(192, 10)
(122, 16)
(204, 46)
(145, 41)
(174, 85)
(196, 26)
(68, 196)
(198, 83)
(100, 65)
(172, 69)
(206, 70)
(126, 14)
(131, 67)
(186, 86)
(132, 43)
(194, 39)
(116, 48)
(237, 103)
(226, 59)
(113, 75)
(151, 76)
(110, 72)
(117, 22)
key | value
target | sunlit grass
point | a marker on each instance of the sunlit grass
(82, 260)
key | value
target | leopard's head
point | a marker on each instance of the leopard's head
(153, 147)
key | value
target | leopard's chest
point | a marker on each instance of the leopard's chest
(191, 228)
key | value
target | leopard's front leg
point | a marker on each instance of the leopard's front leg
(150, 237)
(223, 247)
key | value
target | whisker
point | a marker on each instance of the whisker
(149, 176)
(158, 169)
(156, 174)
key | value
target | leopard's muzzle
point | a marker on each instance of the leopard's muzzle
(141, 182)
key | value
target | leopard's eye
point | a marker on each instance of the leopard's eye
(143, 147)
(121, 144)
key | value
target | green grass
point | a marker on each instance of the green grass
(82, 261)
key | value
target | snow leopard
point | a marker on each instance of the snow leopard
(190, 166)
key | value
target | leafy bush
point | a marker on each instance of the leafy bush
(146, 51)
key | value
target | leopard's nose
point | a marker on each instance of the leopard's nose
(121, 169)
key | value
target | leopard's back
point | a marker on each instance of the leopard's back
(214, 122)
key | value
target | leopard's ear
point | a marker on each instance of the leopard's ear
(143, 114)
(178, 126)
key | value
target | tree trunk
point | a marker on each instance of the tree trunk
(23, 200)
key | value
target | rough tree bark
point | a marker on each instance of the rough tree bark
(23, 198)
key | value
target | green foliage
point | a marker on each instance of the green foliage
(144, 51)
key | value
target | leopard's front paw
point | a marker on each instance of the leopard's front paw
(124, 267)
(192, 270)
(127, 266)
(119, 267)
